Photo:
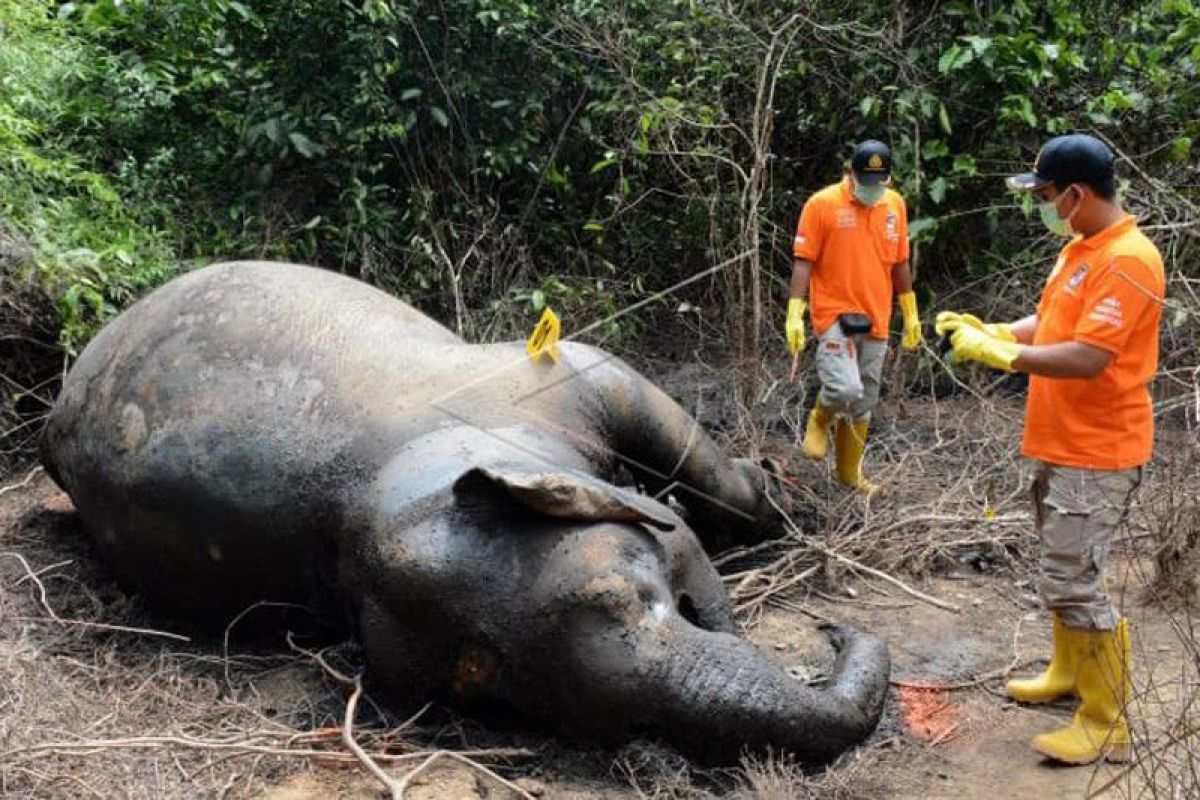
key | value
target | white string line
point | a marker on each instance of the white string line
(610, 318)
(22, 484)
(687, 447)
(668, 479)
(437, 403)
(547, 460)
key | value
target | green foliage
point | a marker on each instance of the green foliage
(94, 254)
(458, 153)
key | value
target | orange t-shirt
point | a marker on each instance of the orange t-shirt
(1107, 291)
(852, 248)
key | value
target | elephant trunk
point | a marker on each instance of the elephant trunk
(716, 694)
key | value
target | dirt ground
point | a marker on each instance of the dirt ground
(96, 701)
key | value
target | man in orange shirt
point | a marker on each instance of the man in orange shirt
(1090, 351)
(850, 254)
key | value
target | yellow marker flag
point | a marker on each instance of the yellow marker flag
(544, 339)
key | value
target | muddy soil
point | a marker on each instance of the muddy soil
(136, 713)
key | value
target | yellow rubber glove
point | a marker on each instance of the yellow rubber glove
(951, 320)
(912, 323)
(971, 343)
(794, 327)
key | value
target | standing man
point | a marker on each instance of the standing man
(1090, 351)
(850, 255)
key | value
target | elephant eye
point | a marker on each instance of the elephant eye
(687, 609)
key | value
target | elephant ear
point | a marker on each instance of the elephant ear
(567, 496)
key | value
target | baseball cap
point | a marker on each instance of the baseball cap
(871, 162)
(1074, 158)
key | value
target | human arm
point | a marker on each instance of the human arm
(1072, 359)
(1023, 329)
(1126, 292)
(806, 248)
(797, 304)
(902, 277)
(801, 271)
(1062, 360)
(902, 283)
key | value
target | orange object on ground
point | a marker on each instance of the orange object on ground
(852, 248)
(927, 713)
(1106, 291)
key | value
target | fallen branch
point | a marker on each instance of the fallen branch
(1171, 739)
(970, 684)
(354, 747)
(396, 789)
(93, 746)
(899, 584)
(347, 732)
(22, 484)
(32, 575)
(104, 626)
(428, 762)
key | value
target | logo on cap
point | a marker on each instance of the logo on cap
(875, 162)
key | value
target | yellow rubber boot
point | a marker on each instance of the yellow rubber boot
(1100, 728)
(816, 433)
(1059, 678)
(850, 443)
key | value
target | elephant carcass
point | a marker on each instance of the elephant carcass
(268, 432)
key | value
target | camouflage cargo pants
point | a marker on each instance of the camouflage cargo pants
(1076, 512)
(849, 368)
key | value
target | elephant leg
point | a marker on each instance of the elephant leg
(668, 450)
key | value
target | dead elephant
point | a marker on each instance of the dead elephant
(254, 431)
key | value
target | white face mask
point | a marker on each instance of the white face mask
(868, 195)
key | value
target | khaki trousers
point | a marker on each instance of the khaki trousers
(1076, 512)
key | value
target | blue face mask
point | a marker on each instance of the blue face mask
(868, 195)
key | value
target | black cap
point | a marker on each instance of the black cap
(871, 162)
(1074, 158)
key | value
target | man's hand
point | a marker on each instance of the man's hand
(794, 327)
(951, 320)
(974, 344)
(912, 323)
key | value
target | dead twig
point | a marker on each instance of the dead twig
(12, 487)
(354, 747)
(462, 759)
(32, 575)
(93, 746)
(899, 584)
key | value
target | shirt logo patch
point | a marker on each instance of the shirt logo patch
(846, 218)
(890, 227)
(1108, 311)
(1075, 280)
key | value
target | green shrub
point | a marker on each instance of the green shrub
(93, 250)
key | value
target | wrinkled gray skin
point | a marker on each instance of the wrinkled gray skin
(256, 431)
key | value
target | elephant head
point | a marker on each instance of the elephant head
(635, 635)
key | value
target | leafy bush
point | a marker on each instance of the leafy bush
(463, 154)
(93, 252)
